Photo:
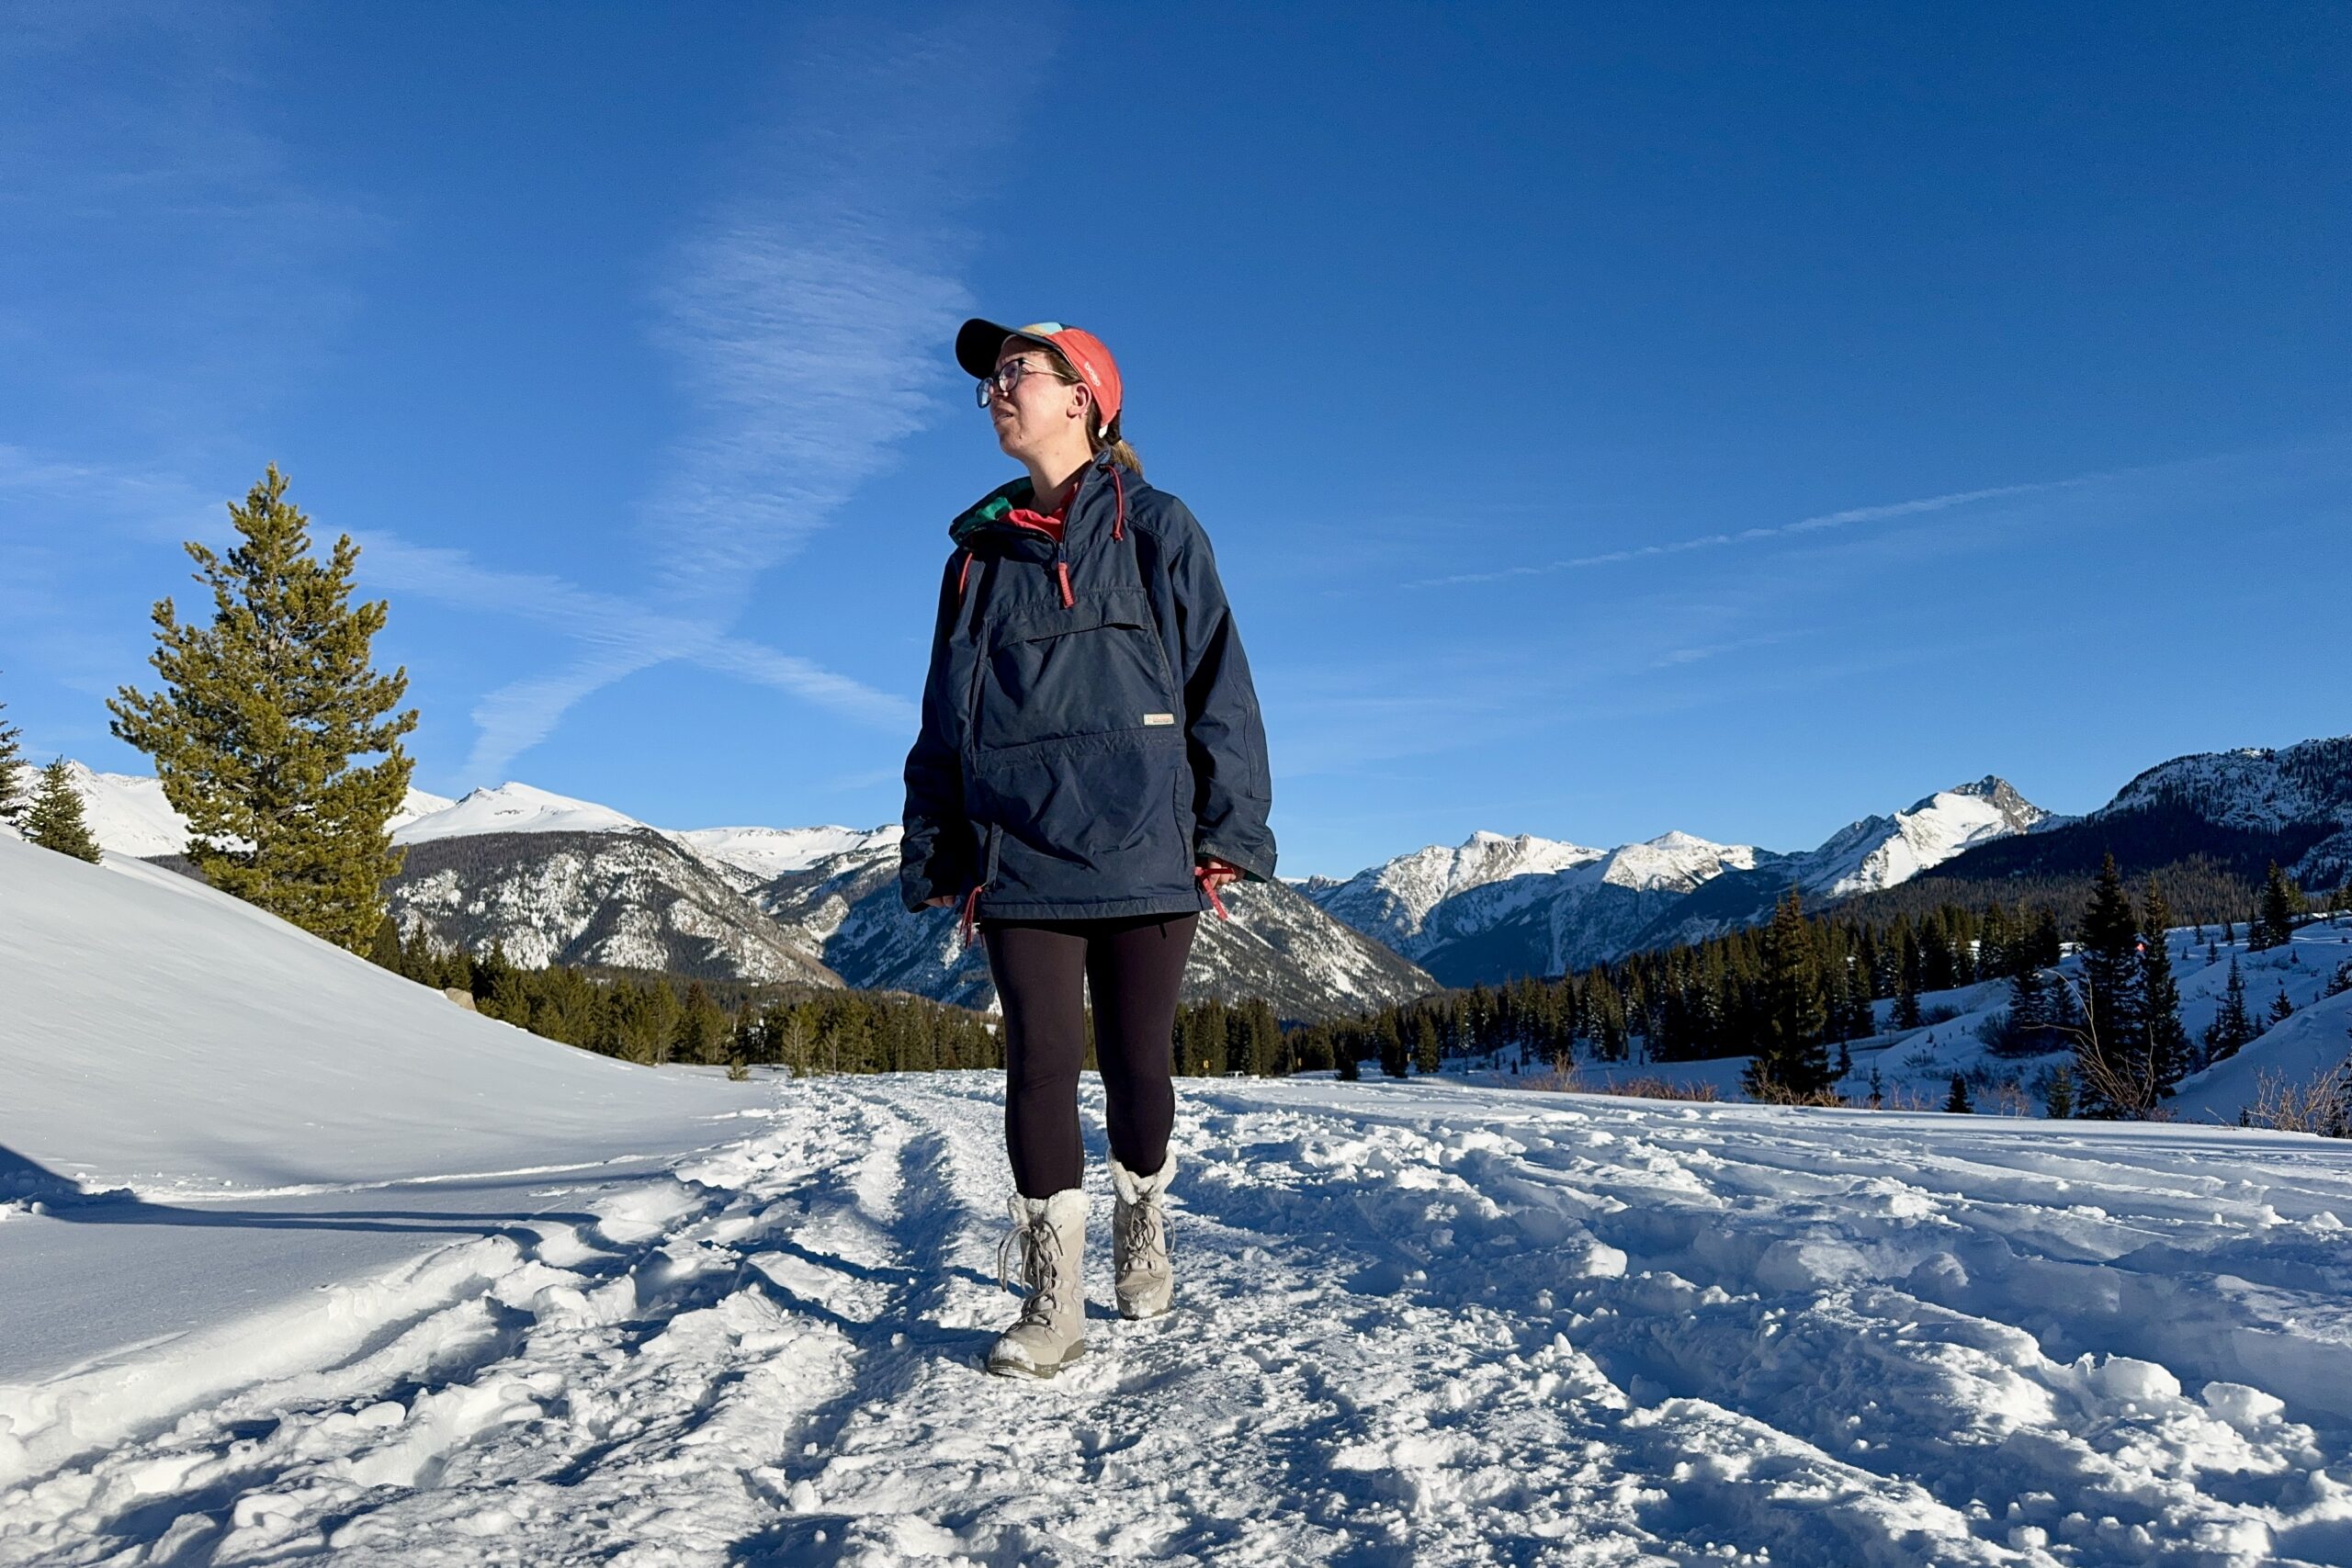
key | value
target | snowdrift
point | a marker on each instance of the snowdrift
(159, 1035)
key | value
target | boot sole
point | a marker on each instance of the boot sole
(1011, 1368)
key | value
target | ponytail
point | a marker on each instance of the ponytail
(1111, 441)
(1108, 438)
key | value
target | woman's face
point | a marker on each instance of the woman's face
(1041, 411)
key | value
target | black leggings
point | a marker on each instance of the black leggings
(1133, 967)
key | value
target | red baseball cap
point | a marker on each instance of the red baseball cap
(978, 343)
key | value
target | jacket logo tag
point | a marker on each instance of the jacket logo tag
(1160, 718)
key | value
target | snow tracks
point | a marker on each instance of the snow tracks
(1414, 1325)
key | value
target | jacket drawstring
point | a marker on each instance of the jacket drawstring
(1119, 518)
(968, 922)
(1061, 571)
(963, 574)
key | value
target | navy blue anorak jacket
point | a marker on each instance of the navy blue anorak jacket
(1089, 733)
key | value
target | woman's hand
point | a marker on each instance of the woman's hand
(939, 903)
(1217, 874)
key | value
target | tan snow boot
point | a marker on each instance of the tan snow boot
(1139, 1239)
(1050, 1333)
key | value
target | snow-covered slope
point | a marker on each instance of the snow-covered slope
(163, 1036)
(1416, 1324)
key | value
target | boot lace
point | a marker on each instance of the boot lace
(1141, 1226)
(1041, 1252)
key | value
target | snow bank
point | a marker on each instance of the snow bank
(159, 1035)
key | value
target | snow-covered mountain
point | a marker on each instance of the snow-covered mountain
(628, 898)
(2301, 794)
(128, 815)
(1880, 852)
(1498, 907)
(555, 879)
(1277, 945)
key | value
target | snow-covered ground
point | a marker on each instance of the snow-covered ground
(1419, 1322)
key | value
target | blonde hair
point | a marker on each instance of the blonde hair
(1106, 439)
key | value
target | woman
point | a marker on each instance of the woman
(1091, 769)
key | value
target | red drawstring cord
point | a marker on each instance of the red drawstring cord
(963, 574)
(966, 922)
(1119, 519)
(1062, 570)
(1201, 876)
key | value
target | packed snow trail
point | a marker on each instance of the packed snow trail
(1415, 1324)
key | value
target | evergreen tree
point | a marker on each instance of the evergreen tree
(1393, 1057)
(260, 718)
(1907, 990)
(2167, 1044)
(54, 820)
(1959, 1103)
(2029, 1011)
(702, 1028)
(2061, 1099)
(1790, 1052)
(2274, 922)
(2232, 1026)
(1606, 1014)
(2281, 1010)
(13, 794)
(2110, 1039)
(1425, 1045)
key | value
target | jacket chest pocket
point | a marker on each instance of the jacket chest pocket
(1093, 669)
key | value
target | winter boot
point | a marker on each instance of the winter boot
(1050, 1333)
(1139, 1239)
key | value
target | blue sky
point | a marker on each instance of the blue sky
(1735, 419)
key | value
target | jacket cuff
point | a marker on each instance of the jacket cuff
(1252, 869)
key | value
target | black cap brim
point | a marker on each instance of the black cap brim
(978, 343)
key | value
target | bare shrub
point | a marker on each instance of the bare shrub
(1562, 1079)
(1770, 1093)
(2316, 1105)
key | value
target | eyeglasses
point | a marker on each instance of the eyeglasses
(1008, 376)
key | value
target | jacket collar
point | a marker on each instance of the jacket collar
(983, 528)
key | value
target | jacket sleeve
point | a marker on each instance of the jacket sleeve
(935, 857)
(1232, 787)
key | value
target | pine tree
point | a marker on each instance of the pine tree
(2028, 1010)
(262, 714)
(54, 820)
(2232, 1026)
(2061, 1099)
(2281, 1010)
(13, 794)
(1959, 1103)
(1790, 1052)
(2110, 1041)
(1425, 1045)
(1907, 988)
(2274, 923)
(2168, 1041)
